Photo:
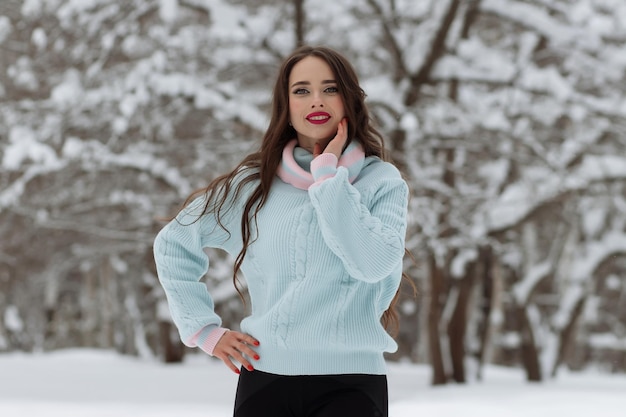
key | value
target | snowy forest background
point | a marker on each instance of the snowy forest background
(508, 118)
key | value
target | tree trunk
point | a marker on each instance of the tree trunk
(299, 21)
(434, 316)
(173, 349)
(490, 305)
(567, 335)
(108, 304)
(528, 347)
(458, 324)
(398, 154)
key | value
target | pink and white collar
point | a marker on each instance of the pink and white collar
(291, 171)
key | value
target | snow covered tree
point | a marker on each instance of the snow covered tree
(506, 116)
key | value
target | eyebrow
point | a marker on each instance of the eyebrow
(308, 83)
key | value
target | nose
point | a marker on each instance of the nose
(317, 101)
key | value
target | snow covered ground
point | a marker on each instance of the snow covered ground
(91, 383)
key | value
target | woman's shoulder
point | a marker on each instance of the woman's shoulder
(224, 195)
(378, 175)
(375, 167)
(247, 174)
(242, 184)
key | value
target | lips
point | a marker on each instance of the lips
(318, 118)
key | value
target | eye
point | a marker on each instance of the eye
(332, 90)
(300, 91)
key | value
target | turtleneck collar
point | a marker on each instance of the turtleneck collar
(295, 166)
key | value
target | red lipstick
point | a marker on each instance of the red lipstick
(318, 118)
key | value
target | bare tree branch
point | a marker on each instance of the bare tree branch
(390, 41)
(436, 50)
(138, 236)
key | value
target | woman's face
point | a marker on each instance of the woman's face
(315, 104)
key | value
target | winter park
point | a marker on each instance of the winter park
(505, 118)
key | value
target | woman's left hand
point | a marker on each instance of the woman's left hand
(337, 143)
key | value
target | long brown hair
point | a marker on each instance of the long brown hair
(262, 165)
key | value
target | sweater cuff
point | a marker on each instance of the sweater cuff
(324, 166)
(207, 338)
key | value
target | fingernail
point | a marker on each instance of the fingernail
(257, 357)
(256, 343)
(237, 371)
(250, 368)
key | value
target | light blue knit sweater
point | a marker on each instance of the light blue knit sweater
(325, 265)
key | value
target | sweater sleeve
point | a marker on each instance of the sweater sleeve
(368, 240)
(181, 263)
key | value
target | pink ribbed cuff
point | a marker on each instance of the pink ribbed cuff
(324, 166)
(324, 160)
(209, 344)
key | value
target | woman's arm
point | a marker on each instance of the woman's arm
(181, 263)
(368, 240)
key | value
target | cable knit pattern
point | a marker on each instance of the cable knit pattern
(324, 267)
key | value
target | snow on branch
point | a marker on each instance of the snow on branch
(521, 199)
(11, 195)
(94, 151)
(85, 228)
(24, 146)
(607, 341)
(596, 252)
(460, 262)
(535, 18)
(487, 67)
(522, 290)
(547, 80)
(589, 258)
(596, 168)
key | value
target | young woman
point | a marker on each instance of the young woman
(316, 220)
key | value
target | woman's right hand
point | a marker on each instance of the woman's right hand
(237, 346)
(337, 144)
